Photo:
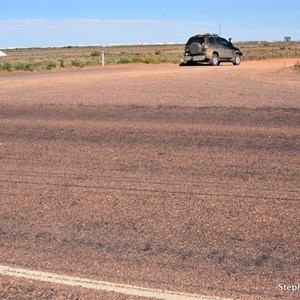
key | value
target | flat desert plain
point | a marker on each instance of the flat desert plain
(182, 179)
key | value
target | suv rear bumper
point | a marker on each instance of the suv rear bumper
(189, 58)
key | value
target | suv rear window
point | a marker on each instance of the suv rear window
(199, 39)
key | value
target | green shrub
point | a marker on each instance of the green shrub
(297, 67)
(51, 65)
(123, 61)
(22, 66)
(150, 60)
(6, 67)
(137, 60)
(95, 53)
(77, 63)
(164, 60)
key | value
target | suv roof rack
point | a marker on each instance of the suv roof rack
(206, 34)
(212, 34)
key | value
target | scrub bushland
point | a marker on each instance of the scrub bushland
(297, 67)
(36, 59)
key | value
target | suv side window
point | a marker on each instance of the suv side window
(218, 41)
(211, 40)
(224, 43)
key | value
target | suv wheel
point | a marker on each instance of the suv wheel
(215, 60)
(237, 59)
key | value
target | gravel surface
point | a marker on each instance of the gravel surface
(180, 178)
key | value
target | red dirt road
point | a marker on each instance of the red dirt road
(178, 178)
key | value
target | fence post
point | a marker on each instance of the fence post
(287, 39)
(103, 62)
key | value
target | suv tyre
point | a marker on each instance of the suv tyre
(215, 60)
(237, 59)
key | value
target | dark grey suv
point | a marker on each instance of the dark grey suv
(211, 48)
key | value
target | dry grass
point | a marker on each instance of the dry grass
(297, 67)
(50, 58)
(267, 50)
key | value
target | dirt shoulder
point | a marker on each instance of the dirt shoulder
(227, 85)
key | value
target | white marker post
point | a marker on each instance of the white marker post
(103, 58)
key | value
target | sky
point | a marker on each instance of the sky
(43, 23)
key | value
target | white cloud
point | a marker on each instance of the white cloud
(39, 32)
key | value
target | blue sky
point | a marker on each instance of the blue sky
(39, 23)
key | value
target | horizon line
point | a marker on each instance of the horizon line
(135, 44)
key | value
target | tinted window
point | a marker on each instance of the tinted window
(224, 42)
(211, 40)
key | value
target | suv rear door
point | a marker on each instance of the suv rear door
(194, 45)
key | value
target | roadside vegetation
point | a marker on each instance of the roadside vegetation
(36, 59)
(297, 67)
